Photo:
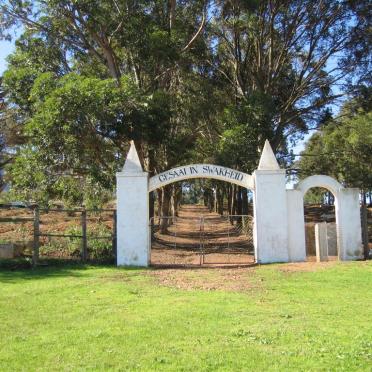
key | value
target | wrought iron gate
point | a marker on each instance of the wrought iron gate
(175, 241)
(227, 240)
(209, 239)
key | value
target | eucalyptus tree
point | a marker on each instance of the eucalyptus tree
(89, 75)
(201, 80)
(285, 57)
(343, 150)
(282, 63)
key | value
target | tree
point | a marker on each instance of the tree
(286, 53)
(86, 81)
(187, 81)
(342, 150)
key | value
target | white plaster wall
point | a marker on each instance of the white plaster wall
(349, 225)
(318, 180)
(133, 246)
(296, 226)
(271, 224)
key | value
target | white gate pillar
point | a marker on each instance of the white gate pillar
(133, 246)
(270, 207)
(349, 225)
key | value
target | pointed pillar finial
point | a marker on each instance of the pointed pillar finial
(268, 160)
(132, 163)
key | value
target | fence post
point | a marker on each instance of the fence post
(365, 231)
(84, 247)
(321, 242)
(114, 231)
(35, 251)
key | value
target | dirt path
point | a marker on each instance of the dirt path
(197, 237)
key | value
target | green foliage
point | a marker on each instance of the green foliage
(98, 249)
(315, 196)
(245, 128)
(342, 150)
(188, 81)
(32, 180)
(192, 192)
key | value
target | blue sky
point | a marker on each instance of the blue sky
(6, 47)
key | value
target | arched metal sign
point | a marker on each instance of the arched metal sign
(201, 171)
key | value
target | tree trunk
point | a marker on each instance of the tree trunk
(177, 198)
(211, 200)
(173, 207)
(233, 200)
(215, 197)
(165, 206)
(239, 201)
(220, 196)
(233, 203)
(151, 204)
(244, 201)
(239, 204)
(229, 192)
(364, 197)
(160, 200)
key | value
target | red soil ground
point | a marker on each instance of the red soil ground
(197, 237)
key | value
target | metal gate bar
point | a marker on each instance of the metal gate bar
(170, 246)
(212, 239)
(238, 230)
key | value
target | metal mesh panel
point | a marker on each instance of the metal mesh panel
(210, 239)
(228, 240)
(175, 241)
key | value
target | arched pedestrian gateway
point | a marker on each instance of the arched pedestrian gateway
(278, 213)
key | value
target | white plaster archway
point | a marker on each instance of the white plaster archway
(270, 205)
(206, 171)
(347, 212)
(326, 182)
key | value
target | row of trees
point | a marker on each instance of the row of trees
(187, 80)
(343, 147)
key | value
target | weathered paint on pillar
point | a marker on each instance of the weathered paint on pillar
(270, 207)
(321, 242)
(296, 231)
(133, 246)
(349, 225)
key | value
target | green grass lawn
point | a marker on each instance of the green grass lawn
(104, 318)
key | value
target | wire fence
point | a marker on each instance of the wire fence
(41, 234)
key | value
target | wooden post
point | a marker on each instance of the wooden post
(114, 227)
(84, 247)
(35, 252)
(365, 231)
(321, 242)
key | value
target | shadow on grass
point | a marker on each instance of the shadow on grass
(205, 266)
(13, 271)
(16, 270)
